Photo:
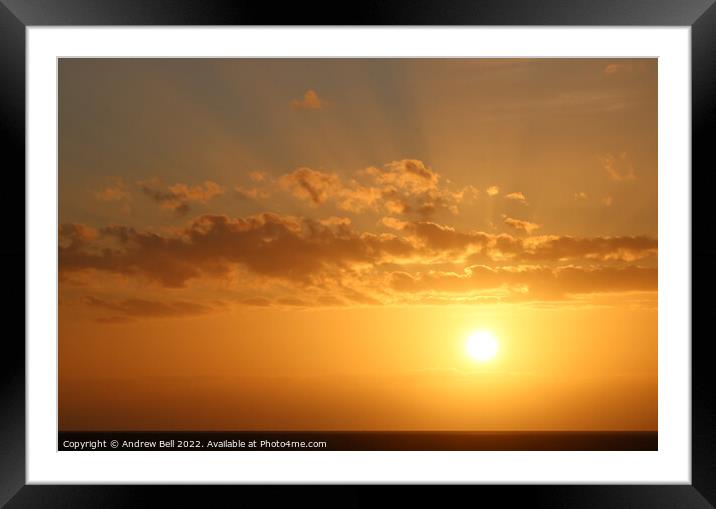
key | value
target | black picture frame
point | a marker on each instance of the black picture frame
(17, 15)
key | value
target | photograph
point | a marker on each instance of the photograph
(316, 254)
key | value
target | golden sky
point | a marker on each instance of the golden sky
(307, 244)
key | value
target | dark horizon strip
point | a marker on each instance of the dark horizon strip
(358, 441)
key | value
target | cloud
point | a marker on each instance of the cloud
(409, 174)
(251, 193)
(335, 221)
(607, 201)
(581, 195)
(445, 239)
(292, 302)
(72, 234)
(618, 167)
(179, 196)
(563, 248)
(517, 196)
(468, 191)
(493, 191)
(348, 297)
(615, 68)
(393, 223)
(130, 309)
(314, 186)
(256, 301)
(405, 187)
(528, 282)
(408, 187)
(115, 192)
(436, 239)
(357, 198)
(330, 262)
(310, 101)
(521, 225)
(269, 245)
(257, 176)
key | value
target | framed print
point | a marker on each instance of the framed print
(415, 250)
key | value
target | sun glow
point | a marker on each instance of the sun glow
(482, 346)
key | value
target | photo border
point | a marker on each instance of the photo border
(16, 15)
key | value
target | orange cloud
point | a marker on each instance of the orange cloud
(559, 248)
(179, 196)
(519, 224)
(436, 237)
(257, 176)
(130, 309)
(531, 282)
(493, 191)
(618, 167)
(615, 68)
(115, 192)
(269, 245)
(314, 186)
(310, 101)
(517, 196)
(251, 193)
(405, 187)
(358, 198)
(329, 262)
(409, 174)
(393, 223)
(256, 301)
(335, 221)
(76, 233)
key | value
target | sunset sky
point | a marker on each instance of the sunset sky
(307, 244)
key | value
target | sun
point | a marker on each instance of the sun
(482, 346)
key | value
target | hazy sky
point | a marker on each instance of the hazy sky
(306, 244)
